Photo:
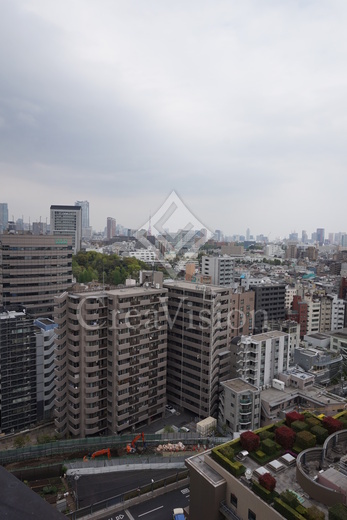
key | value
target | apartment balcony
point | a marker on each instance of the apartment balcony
(75, 400)
(245, 423)
(60, 417)
(60, 361)
(227, 513)
(92, 378)
(91, 400)
(245, 413)
(91, 306)
(92, 422)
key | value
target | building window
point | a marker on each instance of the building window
(251, 515)
(233, 499)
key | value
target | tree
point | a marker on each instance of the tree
(285, 437)
(267, 481)
(249, 441)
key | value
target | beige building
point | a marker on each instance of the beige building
(242, 312)
(111, 360)
(33, 270)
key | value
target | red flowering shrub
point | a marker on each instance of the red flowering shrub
(267, 481)
(285, 437)
(249, 441)
(293, 416)
(332, 425)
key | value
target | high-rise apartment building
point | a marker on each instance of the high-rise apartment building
(3, 216)
(18, 389)
(220, 268)
(34, 269)
(45, 359)
(320, 236)
(84, 204)
(67, 221)
(269, 305)
(260, 358)
(241, 318)
(111, 228)
(111, 360)
(199, 336)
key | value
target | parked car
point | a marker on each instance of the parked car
(185, 429)
(170, 408)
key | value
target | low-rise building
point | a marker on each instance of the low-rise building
(239, 407)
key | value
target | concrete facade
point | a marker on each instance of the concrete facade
(260, 358)
(33, 270)
(239, 407)
(220, 268)
(67, 221)
(199, 338)
(111, 360)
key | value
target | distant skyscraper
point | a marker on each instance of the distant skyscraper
(86, 229)
(111, 227)
(67, 220)
(304, 237)
(3, 216)
(320, 236)
(248, 234)
(84, 204)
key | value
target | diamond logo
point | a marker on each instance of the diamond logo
(176, 231)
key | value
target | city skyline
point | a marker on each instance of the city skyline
(239, 108)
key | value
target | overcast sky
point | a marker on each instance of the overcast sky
(238, 106)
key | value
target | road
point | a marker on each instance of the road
(159, 508)
(94, 488)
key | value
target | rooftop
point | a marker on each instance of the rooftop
(239, 385)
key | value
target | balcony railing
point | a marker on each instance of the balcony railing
(227, 512)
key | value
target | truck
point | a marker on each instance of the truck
(178, 514)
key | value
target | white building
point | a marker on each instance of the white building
(67, 220)
(290, 293)
(146, 255)
(260, 358)
(313, 315)
(337, 313)
(220, 268)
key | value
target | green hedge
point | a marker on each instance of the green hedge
(268, 446)
(264, 494)
(266, 435)
(299, 426)
(305, 440)
(312, 421)
(235, 468)
(338, 512)
(287, 511)
(320, 433)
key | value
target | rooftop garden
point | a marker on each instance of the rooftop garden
(296, 433)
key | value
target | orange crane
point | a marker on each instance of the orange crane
(106, 451)
(131, 447)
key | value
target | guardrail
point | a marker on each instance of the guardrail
(90, 444)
